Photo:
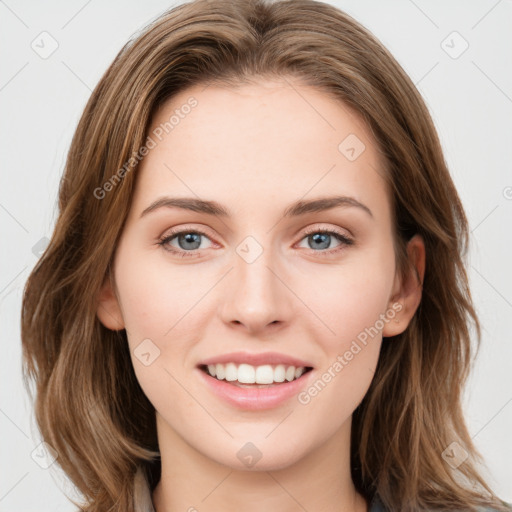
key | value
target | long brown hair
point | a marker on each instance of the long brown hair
(89, 405)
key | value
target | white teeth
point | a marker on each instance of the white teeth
(220, 373)
(264, 374)
(248, 374)
(279, 373)
(299, 372)
(231, 372)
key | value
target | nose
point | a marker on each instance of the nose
(257, 298)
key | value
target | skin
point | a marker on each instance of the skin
(256, 149)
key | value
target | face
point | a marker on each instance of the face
(269, 275)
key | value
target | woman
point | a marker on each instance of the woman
(309, 349)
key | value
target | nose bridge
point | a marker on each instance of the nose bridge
(255, 296)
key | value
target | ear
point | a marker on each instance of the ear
(407, 290)
(109, 310)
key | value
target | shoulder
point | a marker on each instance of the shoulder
(377, 506)
(490, 509)
(142, 501)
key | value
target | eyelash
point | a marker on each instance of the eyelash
(345, 241)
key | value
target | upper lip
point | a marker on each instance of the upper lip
(272, 358)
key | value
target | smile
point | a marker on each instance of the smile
(258, 376)
(255, 396)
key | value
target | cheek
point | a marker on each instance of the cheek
(347, 298)
(155, 296)
(351, 356)
(161, 325)
(352, 305)
(163, 315)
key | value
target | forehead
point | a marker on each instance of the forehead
(273, 141)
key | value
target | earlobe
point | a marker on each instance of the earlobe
(407, 290)
(109, 311)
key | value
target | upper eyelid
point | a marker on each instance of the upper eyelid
(171, 232)
(205, 230)
(336, 230)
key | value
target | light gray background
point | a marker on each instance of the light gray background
(41, 100)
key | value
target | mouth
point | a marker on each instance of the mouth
(249, 376)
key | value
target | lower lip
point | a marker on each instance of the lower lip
(255, 398)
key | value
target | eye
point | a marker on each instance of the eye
(319, 240)
(187, 243)
(187, 240)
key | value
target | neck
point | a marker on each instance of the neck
(192, 481)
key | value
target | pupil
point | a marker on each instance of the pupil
(321, 238)
(191, 238)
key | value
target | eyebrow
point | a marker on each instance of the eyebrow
(294, 210)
